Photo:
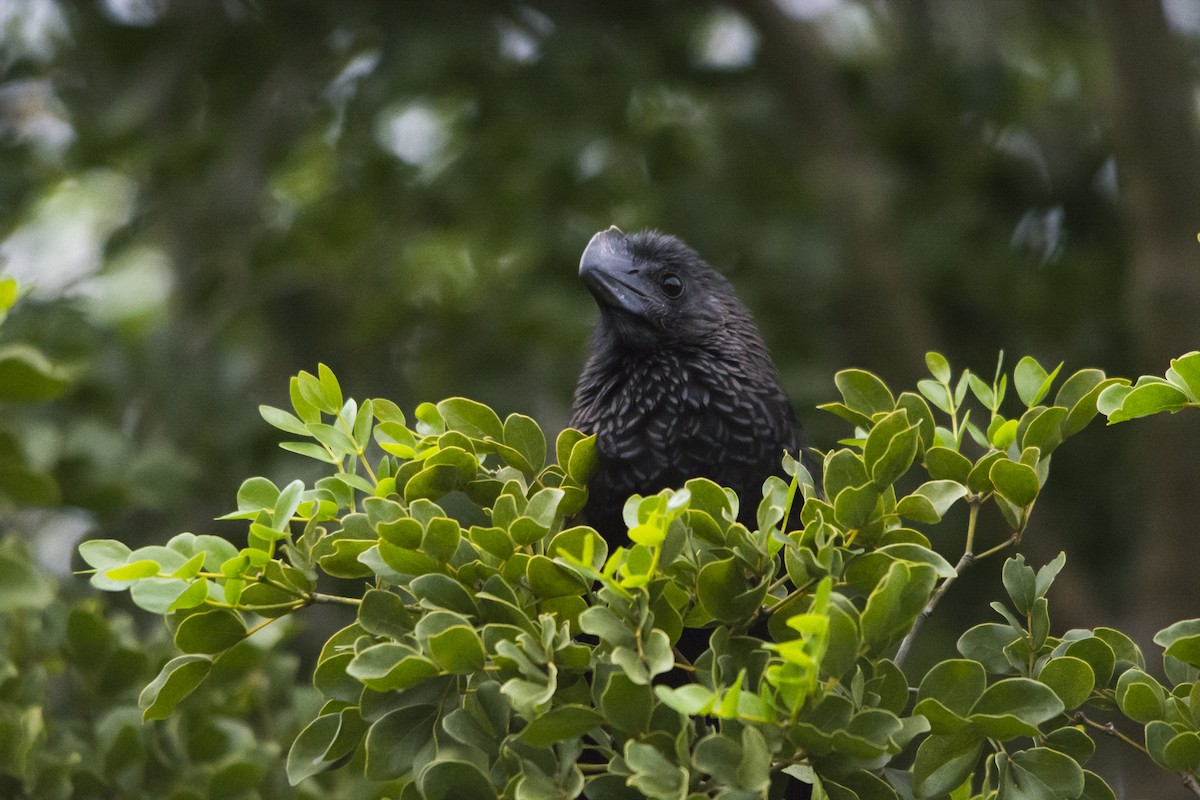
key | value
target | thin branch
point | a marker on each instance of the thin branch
(1188, 779)
(321, 597)
(906, 645)
(968, 558)
(1109, 729)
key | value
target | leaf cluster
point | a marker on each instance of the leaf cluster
(498, 649)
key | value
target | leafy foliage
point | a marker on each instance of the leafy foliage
(498, 649)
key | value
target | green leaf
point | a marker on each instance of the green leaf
(177, 679)
(1187, 367)
(1072, 741)
(855, 505)
(725, 593)
(1158, 735)
(210, 631)
(1146, 399)
(653, 774)
(257, 494)
(286, 505)
(310, 450)
(628, 706)
(395, 740)
(522, 434)
(1071, 679)
(104, 554)
(1027, 378)
(919, 554)
(563, 444)
(472, 418)
(1047, 574)
(855, 418)
(332, 437)
(1044, 430)
(457, 650)
(1021, 583)
(135, 570)
(937, 393)
(163, 595)
(942, 463)
(27, 376)
(864, 392)
(1015, 482)
(283, 420)
(548, 579)
(1094, 788)
(543, 506)
(304, 407)
(920, 416)
(843, 468)
(582, 459)
(441, 539)
(1031, 381)
(944, 762)
(388, 666)
(1078, 387)
(559, 724)
(1139, 696)
(451, 779)
(429, 420)
(1181, 641)
(1029, 701)
(985, 643)
(8, 293)
(1123, 647)
(938, 366)
(982, 391)
(1098, 655)
(364, 423)
(383, 613)
(930, 502)
(330, 391)
(307, 754)
(22, 585)
(895, 460)
(956, 683)
(1085, 408)
(1182, 752)
(1041, 774)
(431, 483)
(895, 603)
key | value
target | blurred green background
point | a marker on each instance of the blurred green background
(204, 198)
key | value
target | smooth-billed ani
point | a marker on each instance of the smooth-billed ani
(679, 383)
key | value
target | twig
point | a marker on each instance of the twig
(968, 558)
(1188, 779)
(321, 597)
(906, 645)
(1107, 728)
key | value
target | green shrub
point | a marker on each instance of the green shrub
(496, 649)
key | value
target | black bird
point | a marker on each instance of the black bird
(679, 383)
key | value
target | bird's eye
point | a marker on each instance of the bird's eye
(671, 285)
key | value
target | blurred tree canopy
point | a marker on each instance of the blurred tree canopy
(206, 198)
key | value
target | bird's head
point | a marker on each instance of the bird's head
(654, 290)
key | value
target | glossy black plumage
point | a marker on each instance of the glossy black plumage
(679, 383)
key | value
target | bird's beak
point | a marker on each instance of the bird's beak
(607, 270)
